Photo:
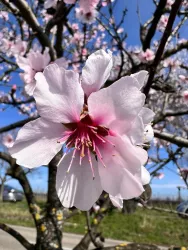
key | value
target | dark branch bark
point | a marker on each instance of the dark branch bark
(17, 172)
(31, 20)
(60, 16)
(161, 117)
(17, 236)
(151, 32)
(173, 51)
(16, 124)
(167, 32)
(179, 141)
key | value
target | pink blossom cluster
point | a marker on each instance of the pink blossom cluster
(35, 61)
(162, 23)
(86, 11)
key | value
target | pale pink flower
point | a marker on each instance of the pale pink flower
(50, 3)
(19, 47)
(33, 63)
(93, 123)
(120, 30)
(147, 56)
(8, 140)
(183, 78)
(4, 15)
(84, 52)
(86, 17)
(163, 22)
(5, 45)
(159, 175)
(185, 96)
(169, 4)
(88, 6)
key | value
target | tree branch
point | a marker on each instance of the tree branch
(17, 124)
(18, 173)
(173, 51)
(151, 32)
(167, 32)
(31, 20)
(179, 141)
(17, 236)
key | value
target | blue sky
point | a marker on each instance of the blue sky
(161, 188)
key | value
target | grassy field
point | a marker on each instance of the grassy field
(144, 226)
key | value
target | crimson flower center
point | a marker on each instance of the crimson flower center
(85, 137)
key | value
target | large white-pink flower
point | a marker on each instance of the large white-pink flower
(98, 126)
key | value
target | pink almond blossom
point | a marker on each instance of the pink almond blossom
(185, 96)
(8, 141)
(101, 129)
(147, 56)
(33, 63)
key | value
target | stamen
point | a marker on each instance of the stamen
(82, 150)
(98, 153)
(73, 156)
(90, 161)
(106, 140)
(61, 159)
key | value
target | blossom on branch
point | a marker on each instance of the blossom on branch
(33, 63)
(102, 129)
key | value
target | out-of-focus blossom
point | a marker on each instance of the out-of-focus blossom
(96, 208)
(183, 78)
(50, 3)
(172, 63)
(86, 17)
(169, 4)
(163, 22)
(148, 133)
(147, 56)
(5, 45)
(159, 175)
(33, 63)
(4, 15)
(107, 124)
(19, 48)
(8, 141)
(185, 96)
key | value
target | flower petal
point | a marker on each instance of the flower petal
(145, 176)
(117, 202)
(58, 94)
(136, 132)
(147, 115)
(36, 143)
(122, 175)
(69, 1)
(77, 188)
(96, 71)
(141, 77)
(22, 62)
(119, 104)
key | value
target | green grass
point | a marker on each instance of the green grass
(144, 226)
